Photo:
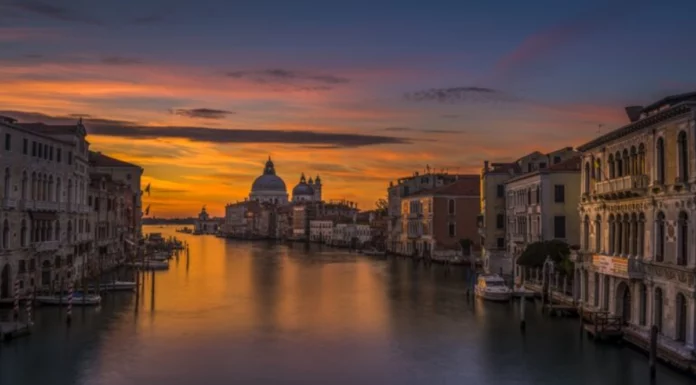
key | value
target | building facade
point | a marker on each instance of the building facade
(204, 224)
(435, 221)
(637, 222)
(541, 206)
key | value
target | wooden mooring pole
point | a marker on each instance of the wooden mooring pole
(152, 293)
(523, 324)
(652, 358)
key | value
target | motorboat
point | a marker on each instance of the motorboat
(492, 287)
(78, 299)
(150, 265)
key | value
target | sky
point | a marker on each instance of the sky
(359, 92)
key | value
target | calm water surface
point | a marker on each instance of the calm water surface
(254, 313)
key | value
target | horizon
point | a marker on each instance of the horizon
(199, 95)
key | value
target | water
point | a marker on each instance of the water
(246, 313)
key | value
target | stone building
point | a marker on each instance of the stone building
(541, 205)
(434, 221)
(204, 224)
(493, 207)
(637, 222)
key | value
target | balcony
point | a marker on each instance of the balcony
(520, 209)
(9, 204)
(618, 266)
(533, 209)
(625, 186)
(47, 246)
(45, 206)
(519, 238)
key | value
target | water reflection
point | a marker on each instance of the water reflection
(259, 313)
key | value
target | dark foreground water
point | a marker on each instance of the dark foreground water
(244, 313)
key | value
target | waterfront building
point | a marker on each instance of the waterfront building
(204, 224)
(403, 188)
(307, 190)
(269, 187)
(320, 229)
(637, 220)
(436, 220)
(541, 205)
(491, 222)
(240, 218)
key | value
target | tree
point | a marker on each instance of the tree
(465, 243)
(535, 254)
(381, 206)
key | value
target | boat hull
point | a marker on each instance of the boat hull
(493, 296)
(92, 300)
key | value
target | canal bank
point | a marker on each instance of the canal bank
(258, 313)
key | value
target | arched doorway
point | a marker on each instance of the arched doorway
(623, 301)
(5, 281)
(46, 273)
(682, 309)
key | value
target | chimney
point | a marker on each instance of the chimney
(633, 113)
(485, 165)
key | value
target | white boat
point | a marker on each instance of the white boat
(150, 265)
(77, 300)
(160, 256)
(492, 287)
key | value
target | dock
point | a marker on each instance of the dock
(12, 330)
(602, 326)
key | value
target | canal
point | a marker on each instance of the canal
(257, 313)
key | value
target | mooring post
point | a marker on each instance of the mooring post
(522, 320)
(152, 294)
(653, 351)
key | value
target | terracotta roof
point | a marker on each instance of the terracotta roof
(464, 185)
(504, 168)
(571, 164)
(97, 159)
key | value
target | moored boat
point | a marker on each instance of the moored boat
(492, 287)
(150, 265)
(78, 299)
(116, 286)
(374, 253)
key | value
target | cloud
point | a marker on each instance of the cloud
(52, 11)
(8, 34)
(133, 130)
(120, 60)
(201, 113)
(458, 95)
(409, 129)
(283, 76)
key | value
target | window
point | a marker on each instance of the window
(33, 148)
(660, 161)
(39, 151)
(682, 254)
(69, 157)
(500, 243)
(660, 237)
(22, 266)
(529, 167)
(536, 193)
(542, 165)
(683, 157)
(500, 221)
(529, 197)
(556, 159)
(58, 154)
(501, 191)
(452, 229)
(50, 153)
(559, 193)
(25, 146)
(8, 142)
(451, 207)
(559, 226)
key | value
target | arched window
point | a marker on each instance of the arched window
(598, 234)
(683, 248)
(51, 192)
(57, 234)
(657, 303)
(683, 149)
(610, 164)
(587, 178)
(451, 206)
(660, 161)
(682, 310)
(598, 173)
(619, 165)
(59, 190)
(34, 186)
(626, 163)
(635, 170)
(8, 182)
(586, 233)
(596, 289)
(70, 232)
(24, 185)
(70, 191)
(660, 237)
(612, 234)
(23, 234)
(5, 235)
(643, 305)
(641, 159)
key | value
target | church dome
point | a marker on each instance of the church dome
(302, 188)
(269, 181)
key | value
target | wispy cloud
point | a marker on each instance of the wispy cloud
(409, 129)
(458, 95)
(52, 11)
(132, 130)
(202, 113)
(8, 34)
(299, 80)
(120, 60)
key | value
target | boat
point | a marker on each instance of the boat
(150, 265)
(492, 287)
(374, 253)
(116, 286)
(160, 256)
(77, 300)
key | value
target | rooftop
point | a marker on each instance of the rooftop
(97, 159)
(569, 165)
(465, 185)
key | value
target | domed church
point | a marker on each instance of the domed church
(269, 187)
(307, 190)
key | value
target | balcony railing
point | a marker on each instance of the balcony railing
(519, 209)
(47, 246)
(623, 184)
(8, 203)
